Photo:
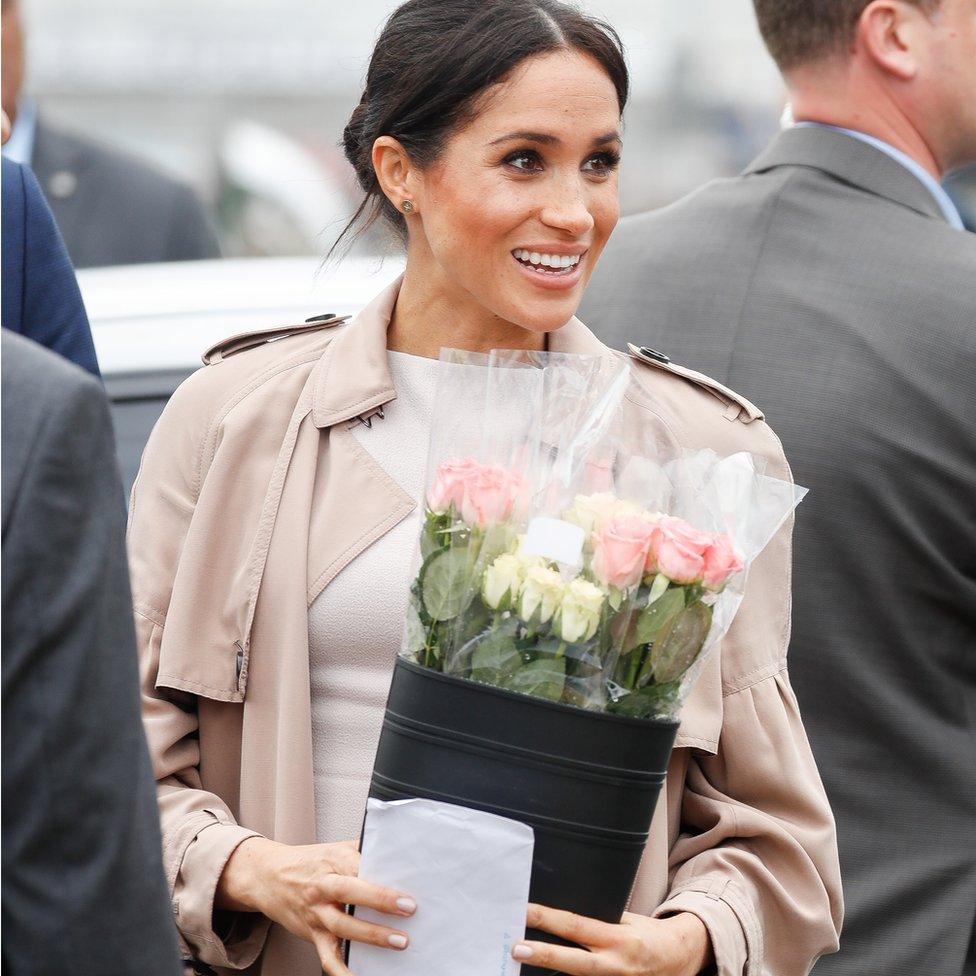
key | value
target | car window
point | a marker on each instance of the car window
(137, 402)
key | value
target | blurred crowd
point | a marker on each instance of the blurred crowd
(833, 282)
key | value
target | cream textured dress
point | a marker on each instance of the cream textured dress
(356, 623)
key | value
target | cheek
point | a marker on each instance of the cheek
(605, 210)
(471, 219)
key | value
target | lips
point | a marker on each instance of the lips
(550, 270)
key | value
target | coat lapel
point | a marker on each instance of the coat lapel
(350, 383)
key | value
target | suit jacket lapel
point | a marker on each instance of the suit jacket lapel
(850, 160)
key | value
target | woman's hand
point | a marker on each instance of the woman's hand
(638, 946)
(306, 890)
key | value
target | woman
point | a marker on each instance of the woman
(274, 521)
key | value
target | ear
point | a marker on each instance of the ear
(892, 33)
(395, 173)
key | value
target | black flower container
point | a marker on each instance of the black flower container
(586, 782)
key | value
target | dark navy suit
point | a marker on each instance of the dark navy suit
(41, 299)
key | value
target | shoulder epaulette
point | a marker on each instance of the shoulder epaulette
(739, 407)
(258, 337)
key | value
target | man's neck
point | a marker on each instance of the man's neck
(864, 105)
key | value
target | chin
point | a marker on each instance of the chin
(544, 319)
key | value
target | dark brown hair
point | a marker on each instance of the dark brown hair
(799, 32)
(432, 61)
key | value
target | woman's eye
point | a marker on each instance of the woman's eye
(602, 163)
(525, 160)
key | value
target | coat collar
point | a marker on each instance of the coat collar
(852, 161)
(353, 377)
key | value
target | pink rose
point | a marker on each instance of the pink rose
(620, 548)
(448, 486)
(678, 551)
(490, 495)
(721, 561)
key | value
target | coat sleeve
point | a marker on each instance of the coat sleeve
(756, 855)
(757, 858)
(199, 830)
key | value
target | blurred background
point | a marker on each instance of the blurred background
(245, 100)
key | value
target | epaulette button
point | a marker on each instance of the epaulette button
(654, 354)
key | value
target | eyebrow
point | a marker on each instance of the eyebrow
(547, 139)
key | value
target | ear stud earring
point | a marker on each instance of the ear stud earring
(407, 206)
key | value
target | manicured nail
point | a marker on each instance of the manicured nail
(398, 941)
(521, 952)
(406, 905)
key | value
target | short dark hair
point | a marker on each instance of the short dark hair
(800, 32)
(432, 61)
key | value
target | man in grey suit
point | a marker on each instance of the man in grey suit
(82, 884)
(111, 207)
(830, 284)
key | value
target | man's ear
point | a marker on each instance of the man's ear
(395, 173)
(891, 33)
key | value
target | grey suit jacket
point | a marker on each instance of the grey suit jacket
(824, 284)
(112, 208)
(83, 885)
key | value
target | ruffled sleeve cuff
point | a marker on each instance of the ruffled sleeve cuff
(241, 935)
(735, 935)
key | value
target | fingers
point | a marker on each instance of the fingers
(575, 928)
(330, 958)
(356, 930)
(355, 891)
(572, 962)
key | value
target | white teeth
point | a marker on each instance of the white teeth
(557, 262)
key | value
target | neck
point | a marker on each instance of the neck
(431, 313)
(850, 99)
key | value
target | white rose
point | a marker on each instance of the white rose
(542, 591)
(500, 586)
(579, 611)
(527, 560)
(591, 511)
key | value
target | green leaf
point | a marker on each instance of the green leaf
(429, 541)
(415, 638)
(446, 582)
(652, 701)
(543, 678)
(676, 651)
(653, 619)
(495, 658)
(476, 619)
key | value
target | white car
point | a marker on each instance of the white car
(151, 323)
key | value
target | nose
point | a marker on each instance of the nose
(567, 210)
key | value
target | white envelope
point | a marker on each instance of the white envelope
(469, 874)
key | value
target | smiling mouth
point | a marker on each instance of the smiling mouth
(550, 265)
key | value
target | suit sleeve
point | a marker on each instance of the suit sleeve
(53, 312)
(199, 830)
(82, 868)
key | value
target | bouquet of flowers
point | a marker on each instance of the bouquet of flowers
(605, 599)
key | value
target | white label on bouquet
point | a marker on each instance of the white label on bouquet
(469, 873)
(555, 539)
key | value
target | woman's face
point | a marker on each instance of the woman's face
(518, 207)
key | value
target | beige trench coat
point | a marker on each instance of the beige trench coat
(253, 494)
